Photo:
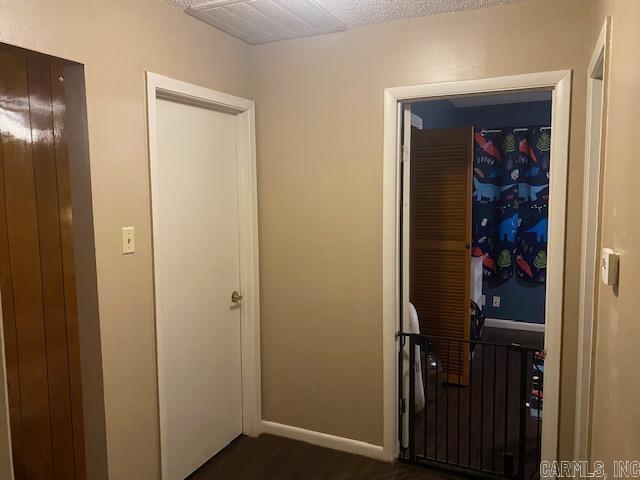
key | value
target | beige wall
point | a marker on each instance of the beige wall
(117, 40)
(616, 414)
(320, 122)
(319, 106)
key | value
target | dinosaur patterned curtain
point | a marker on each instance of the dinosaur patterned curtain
(510, 201)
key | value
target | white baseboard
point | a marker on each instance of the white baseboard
(324, 440)
(513, 325)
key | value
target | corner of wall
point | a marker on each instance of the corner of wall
(86, 276)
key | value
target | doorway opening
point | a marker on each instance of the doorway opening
(498, 210)
(476, 181)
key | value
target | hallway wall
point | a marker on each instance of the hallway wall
(320, 123)
(117, 40)
(319, 134)
(616, 389)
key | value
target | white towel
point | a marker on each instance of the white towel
(412, 327)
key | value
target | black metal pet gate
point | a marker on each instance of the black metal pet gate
(482, 418)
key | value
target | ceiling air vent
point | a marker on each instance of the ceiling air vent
(262, 21)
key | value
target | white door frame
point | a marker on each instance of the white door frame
(161, 87)
(594, 153)
(560, 84)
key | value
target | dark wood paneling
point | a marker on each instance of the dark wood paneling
(46, 187)
(25, 53)
(9, 324)
(66, 235)
(37, 277)
(24, 256)
(440, 240)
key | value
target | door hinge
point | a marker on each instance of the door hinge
(405, 153)
(403, 406)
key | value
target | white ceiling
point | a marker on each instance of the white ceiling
(261, 21)
(355, 13)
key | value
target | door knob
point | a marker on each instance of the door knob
(236, 297)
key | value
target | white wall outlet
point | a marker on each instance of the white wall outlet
(128, 240)
(609, 264)
(483, 300)
(496, 301)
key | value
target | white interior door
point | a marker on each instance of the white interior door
(196, 254)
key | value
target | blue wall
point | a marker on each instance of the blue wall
(519, 300)
(443, 114)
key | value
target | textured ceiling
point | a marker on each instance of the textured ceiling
(263, 21)
(355, 13)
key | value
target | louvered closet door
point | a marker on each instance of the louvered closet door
(440, 254)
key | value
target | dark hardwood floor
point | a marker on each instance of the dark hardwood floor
(274, 458)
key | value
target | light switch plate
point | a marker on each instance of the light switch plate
(128, 240)
(609, 266)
